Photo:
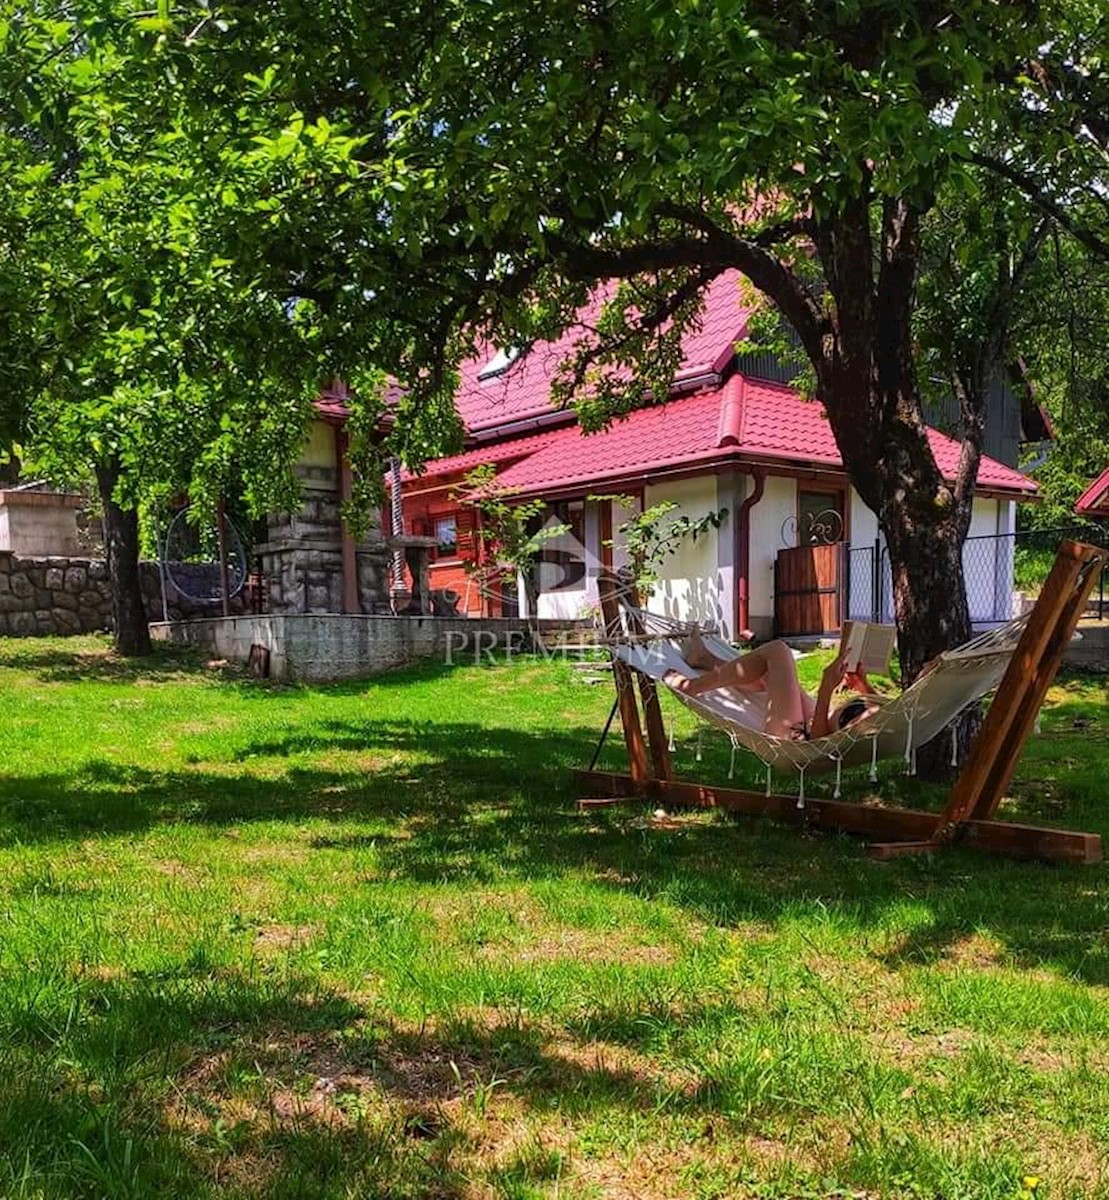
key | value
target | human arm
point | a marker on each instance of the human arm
(857, 681)
(821, 724)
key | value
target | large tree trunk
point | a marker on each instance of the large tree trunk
(121, 537)
(9, 471)
(932, 614)
(869, 385)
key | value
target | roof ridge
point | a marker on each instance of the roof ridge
(732, 397)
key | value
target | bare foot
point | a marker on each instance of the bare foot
(676, 681)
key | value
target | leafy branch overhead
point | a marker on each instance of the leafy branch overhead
(213, 209)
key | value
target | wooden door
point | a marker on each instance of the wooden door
(808, 590)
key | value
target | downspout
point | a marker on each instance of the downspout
(743, 554)
(730, 434)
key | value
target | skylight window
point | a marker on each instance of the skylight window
(499, 363)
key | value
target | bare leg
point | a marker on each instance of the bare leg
(698, 655)
(772, 665)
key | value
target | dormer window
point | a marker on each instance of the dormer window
(499, 363)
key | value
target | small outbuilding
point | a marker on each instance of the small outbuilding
(37, 523)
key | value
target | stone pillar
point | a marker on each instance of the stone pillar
(302, 559)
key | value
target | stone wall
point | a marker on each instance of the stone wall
(41, 596)
(1090, 650)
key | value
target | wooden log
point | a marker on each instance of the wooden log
(886, 825)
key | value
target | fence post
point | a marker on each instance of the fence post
(876, 582)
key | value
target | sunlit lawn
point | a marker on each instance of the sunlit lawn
(356, 942)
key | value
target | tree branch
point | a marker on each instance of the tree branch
(1046, 203)
(649, 323)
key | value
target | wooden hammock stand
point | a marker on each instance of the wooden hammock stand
(968, 817)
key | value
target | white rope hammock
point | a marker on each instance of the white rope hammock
(650, 643)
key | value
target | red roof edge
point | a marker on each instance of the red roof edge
(1094, 501)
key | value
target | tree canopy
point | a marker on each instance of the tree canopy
(248, 197)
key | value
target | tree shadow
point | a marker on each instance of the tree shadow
(158, 1105)
(479, 802)
(51, 664)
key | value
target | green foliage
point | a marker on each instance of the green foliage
(509, 533)
(649, 539)
(210, 211)
(1066, 351)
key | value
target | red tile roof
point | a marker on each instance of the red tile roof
(1094, 501)
(746, 421)
(331, 403)
(524, 389)
(493, 452)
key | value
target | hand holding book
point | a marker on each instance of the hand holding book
(867, 648)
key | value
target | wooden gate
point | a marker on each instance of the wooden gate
(810, 584)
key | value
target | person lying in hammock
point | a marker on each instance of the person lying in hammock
(769, 676)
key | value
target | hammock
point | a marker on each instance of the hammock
(650, 643)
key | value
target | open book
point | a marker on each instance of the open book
(868, 646)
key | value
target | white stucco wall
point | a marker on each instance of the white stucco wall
(699, 581)
(778, 504)
(319, 446)
(692, 585)
(987, 561)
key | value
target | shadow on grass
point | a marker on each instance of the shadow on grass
(490, 805)
(201, 1082)
(93, 659)
(152, 1100)
(55, 662)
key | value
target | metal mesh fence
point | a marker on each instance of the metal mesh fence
(1003, 573)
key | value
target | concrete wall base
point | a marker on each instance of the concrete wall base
(329, 647)
(1089, 651)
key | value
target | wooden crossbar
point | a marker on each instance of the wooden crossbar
(896, 828)
(969, 814)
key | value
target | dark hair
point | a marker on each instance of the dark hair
(851, 711)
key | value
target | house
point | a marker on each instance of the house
(797, 550)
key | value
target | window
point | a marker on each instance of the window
(499, 363)
(819, 517)
(446, 535)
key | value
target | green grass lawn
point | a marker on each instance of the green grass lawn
(356, 942)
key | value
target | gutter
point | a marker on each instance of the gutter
(702, 379)
(497, 433)
(743, 553)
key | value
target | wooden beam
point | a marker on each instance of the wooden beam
(347, 547)
(224, 571)
(989, 769)
(1091, 559)
(652, 711)
(891, 827)
(625, 688)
